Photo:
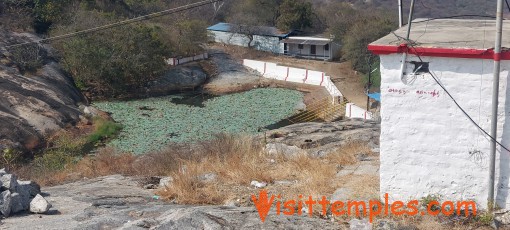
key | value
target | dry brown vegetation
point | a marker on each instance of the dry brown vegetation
(236, 161)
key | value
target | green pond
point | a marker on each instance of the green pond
(152, 124)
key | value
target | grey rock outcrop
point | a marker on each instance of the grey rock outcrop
(9, 182)
(363, 224)
(33, 103)
(17, 203)
(165, 181)
(319, 139)
(280, 148)
(178, 78)
(118, 202)
(5, 203)
(231, 75)
(16, 196)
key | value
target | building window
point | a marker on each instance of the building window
(420, 67)
(313, 49)
(300, 46)
(326, 47)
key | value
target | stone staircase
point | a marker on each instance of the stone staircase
(326, 109)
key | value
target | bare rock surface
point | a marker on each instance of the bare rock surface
(318, 139)
(185, 77)
(33, 103)
(231, 76)
(118, 202)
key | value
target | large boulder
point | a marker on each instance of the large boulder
(9, 182)
(230, 76)
(178, 78)
(17, 195)
(16, 203)
(5, 203)
(27, 190)
(34, 103)
(39, 205)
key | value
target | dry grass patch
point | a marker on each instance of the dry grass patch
(233, 162)
(239, 160)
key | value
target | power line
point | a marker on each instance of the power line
(121, 23)
(457, 104)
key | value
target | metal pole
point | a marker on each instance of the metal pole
(404, 56)
(369, 81)
(495, 97)
(400, 13)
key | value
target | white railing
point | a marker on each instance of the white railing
(354, 111)
(305, 76)
(284, 73)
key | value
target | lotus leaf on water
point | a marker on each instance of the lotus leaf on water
(147, 130)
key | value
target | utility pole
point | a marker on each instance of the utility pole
(369, 84)
(495, 97)
(404, 56)
(400, 13)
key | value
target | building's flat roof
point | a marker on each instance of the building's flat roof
(257, 30)
(307, 41)
(463, 38)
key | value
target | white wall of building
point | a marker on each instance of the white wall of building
(320, 51)
(264, 43)
(427, 145)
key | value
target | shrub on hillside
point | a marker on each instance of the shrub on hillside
(116, 61)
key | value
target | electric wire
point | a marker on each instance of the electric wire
(457, 104)
(121, 23)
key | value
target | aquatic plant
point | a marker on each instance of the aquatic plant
(152, 124)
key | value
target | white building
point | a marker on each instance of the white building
(264, 38)
(428, 146)
(311, 47)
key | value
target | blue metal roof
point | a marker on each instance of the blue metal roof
(259, 30)
(375, 96)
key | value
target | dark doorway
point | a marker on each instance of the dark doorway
(313, 49)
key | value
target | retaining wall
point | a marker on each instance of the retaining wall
(354, 111)
(180, 61)
(284, 73)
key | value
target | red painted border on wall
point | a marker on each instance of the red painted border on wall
(438, 52)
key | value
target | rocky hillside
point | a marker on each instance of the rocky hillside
(37, 96)
(135, 202)
(117, 202)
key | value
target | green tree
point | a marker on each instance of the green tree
(191, 35)
(46, 12)
(255, 12)
(340, 17)
(362, 33)
(364, 30)
(295, 14)
(248, 17)
(117, 61)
